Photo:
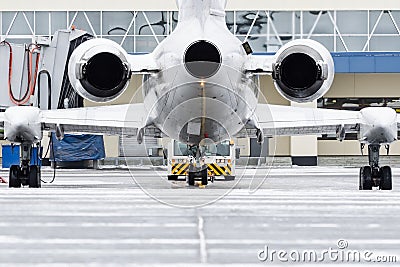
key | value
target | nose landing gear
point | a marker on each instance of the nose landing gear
(25, 175)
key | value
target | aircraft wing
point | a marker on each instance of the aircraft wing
(143, 64)
(260, 64)
(112, 120)
(288, 121)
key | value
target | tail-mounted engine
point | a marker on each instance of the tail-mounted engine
(99, 70)
(303, 71)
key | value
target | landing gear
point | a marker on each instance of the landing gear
(386, 178)
(25, 174)
(366, 178)
(34, 177)
(373, 175)
(14, 181)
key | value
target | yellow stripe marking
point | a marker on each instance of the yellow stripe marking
(227, 170)
(220, 169)
(212, 166)
(176, 168)
(183, 168)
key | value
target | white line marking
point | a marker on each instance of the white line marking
(92, 241)
(203, 248)
(316, 225)
(102, 225)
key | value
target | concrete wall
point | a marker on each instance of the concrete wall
(111, 145)
(133, 94)
(365, 85)
(350, 148)
(167, 5)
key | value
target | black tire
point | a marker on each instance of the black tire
(14, 181)
(172, 177)
(366, 182)
(191, 179)
(230, 178)
(204, 177)
(386, 178)
(34, 177)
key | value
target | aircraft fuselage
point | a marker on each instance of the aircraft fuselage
(202, 91)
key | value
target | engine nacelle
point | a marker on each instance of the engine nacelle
(99, 70)
(303, 71)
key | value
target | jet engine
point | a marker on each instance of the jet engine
(303, 71)
(99, 70)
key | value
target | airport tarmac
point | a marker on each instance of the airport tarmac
(102, 218)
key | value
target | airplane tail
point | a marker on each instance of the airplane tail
(216, 4)
(189, 9)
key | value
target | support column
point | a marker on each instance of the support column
(304, 149)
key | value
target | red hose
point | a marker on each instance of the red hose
(30, 91)
(9, 70)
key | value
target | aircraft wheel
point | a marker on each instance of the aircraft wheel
(14, 181)
(366, 178)
(191, 178)
(386, 178)
(34, 177)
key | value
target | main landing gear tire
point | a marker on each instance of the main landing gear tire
(34, 177)
(14, 181)
(366, 182)
(31, 176)
(386, 178)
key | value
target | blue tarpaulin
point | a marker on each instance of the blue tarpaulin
(78, 148)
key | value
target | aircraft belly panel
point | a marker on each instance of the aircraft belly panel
(191, 113)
